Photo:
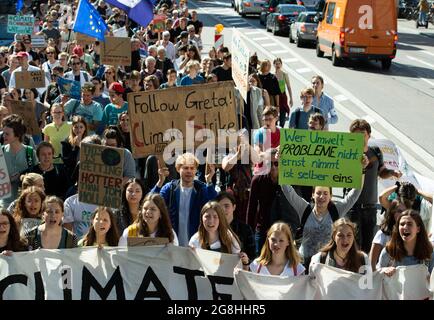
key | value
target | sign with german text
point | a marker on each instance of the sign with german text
(320, 158)
(100, 179)
(184, 110)
(26, 110)
(240, 63)
(83, 39)
(116, 51)
(20, 24)
(30, 79)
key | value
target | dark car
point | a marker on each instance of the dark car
(270, 7)
(284, 15)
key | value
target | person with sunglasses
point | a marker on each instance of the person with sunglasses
(50, 32)
(51, 62)
(77, 73)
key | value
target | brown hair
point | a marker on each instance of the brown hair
(224, 230)
(164, 224)
(354, 256)
(360, 125)
(75, 120)
(15, 242)
(395, 247)
(291, 252)
(20, 211)
(112, 236)
(270, 111)
(318, 117)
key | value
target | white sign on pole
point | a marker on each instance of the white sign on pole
(240, 63)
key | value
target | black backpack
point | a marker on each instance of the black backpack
(333, 213)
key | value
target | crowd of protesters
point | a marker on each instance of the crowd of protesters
(277, 230)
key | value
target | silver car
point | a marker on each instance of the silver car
(244, 7)
(304, 29)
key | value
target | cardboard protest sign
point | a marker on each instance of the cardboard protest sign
(320, 158)
(69, 88)
(116, 51)
(240, 63)
(26, 110)
(206, 106)
(100, 179)
(83, 39)
(159, 23)
(20, 24)
(5, 181)
(29, 79)
(146, 241)
(38, 41)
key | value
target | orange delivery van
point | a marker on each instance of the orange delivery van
(365, 29)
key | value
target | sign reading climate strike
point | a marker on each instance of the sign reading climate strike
(320, 158)
(100, 180)
(209, 106)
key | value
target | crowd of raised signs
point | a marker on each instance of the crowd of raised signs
(277, 230)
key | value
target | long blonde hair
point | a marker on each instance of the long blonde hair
(226, 234)
(291, 251)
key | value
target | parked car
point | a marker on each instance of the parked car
(245, 7)
(270, 7)
(280, 20)
(304, 29)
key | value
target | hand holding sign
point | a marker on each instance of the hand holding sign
(163, 173)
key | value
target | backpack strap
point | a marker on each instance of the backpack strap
(86, 76)
(323, 257)
(259, 268)
(297, 118)
(294, 270)
(333, 210)
(304, 217)
(29, 156)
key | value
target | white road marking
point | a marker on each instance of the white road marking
(253, 32)
(238, 23)
(421, 61)
(427, 81)
(340, 98)
(428, 53)
(289, 60)
(303, 70)
(279, 51)
(260, 38)
(231, 18)
(269, 44)
(369, 119)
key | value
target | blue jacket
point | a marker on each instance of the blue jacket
(171, 191)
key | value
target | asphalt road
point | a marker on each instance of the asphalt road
(399, 103)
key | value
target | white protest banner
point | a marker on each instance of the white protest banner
(408, 283)
(38, 41)
(20, 24)
(89, 273)
(254, 286)
(5, 181)
(240, 63)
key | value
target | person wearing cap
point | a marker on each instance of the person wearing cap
(23, 59)
(87, 58)
(168, 45)
(76, 73)
(117, 105)
(184, 40)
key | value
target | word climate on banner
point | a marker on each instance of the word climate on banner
(20, 24)
(320, 158)
(157, 116)
(100, 179)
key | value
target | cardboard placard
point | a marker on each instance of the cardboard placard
(83, 39)
(5, 181)
(240, 63)
(100, 179)
(30, 79)
(26, 110)
(116, 51)
(210, 106)
(38, 41)
(146, 241)
(20, 24)
(320, 158)
(120, 32)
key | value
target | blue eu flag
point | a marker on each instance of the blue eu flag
(89, 22)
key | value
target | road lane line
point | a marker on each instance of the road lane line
(253, 32)
(268, 44)
(289, 60)
(260, 38)
(303, 70)
(340, 98)
(427, 81)
(421, 61)
(279, 51)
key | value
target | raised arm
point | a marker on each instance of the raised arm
(297, 202)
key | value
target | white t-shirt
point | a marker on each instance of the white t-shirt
(381, 238)
(215, 246)
(78, 213)
(287, 271)
(123, 240)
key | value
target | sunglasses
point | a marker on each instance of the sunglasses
(50, 52)
(76, 63)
